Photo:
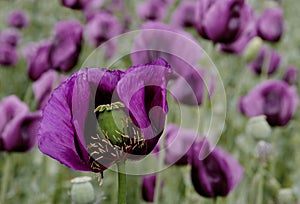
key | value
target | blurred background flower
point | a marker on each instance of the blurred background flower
(273, 98)
(217, 174)
(18, 19)
(18, 127)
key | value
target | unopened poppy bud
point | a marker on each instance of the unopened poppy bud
(291, 75)
(82, 191)
(258, 127)
(252, 49)
(264, 150)
(286, 196)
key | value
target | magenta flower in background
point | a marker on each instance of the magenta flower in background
(267, 59)
(18, 127)
(248, 32)
(190, 89)
(270, 25)
(185, 14)
(38, 57)
(178, 145)
(43, 87)
(60, 53)
(66, 45)
(216, 175)
(102, 27)
(18, 19)
(291, 75)
(153, 10)
(8, 55)
(74, 4)
(10, 36)
(223, 30)
(170, 43)
(69, 129)
(273, 98)
(91, 8)
(167, 2)
(148, 187)
(117, 6)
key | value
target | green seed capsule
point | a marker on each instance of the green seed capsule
(82, 191)
(117, 127)
(286, 196)
(258, 127)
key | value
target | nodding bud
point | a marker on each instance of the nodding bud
(252, 49)
(286, 196)
(258, 127)
(82, 191)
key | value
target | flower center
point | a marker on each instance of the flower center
(117, 136)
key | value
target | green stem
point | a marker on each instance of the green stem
(161, 156)
(157, 188)
(5, 178)
(29, 98)
(260, 189)
(122, 182)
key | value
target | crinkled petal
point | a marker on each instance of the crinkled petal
(143, 91)
(57, 133)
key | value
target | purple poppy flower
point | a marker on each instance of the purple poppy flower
(190, 88)
(217, 174)
(178, 145)
(8, 55)
(102, 27)
(71, 134)
(153, 10)
(43, 87)
(167, 2)
(170, 43)
(224, 30)
(18, 19)
(117, 6)
(291, 75)
(74, 4)
(66, 45)
(270, 25)
(10, 36)
(148, 187)
(18, 127)
(266, 58)
(38, 57)
(91, 8)
(273, 98)
(185, 14)
(248, 32)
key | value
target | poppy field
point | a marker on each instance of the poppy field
(153, 101)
